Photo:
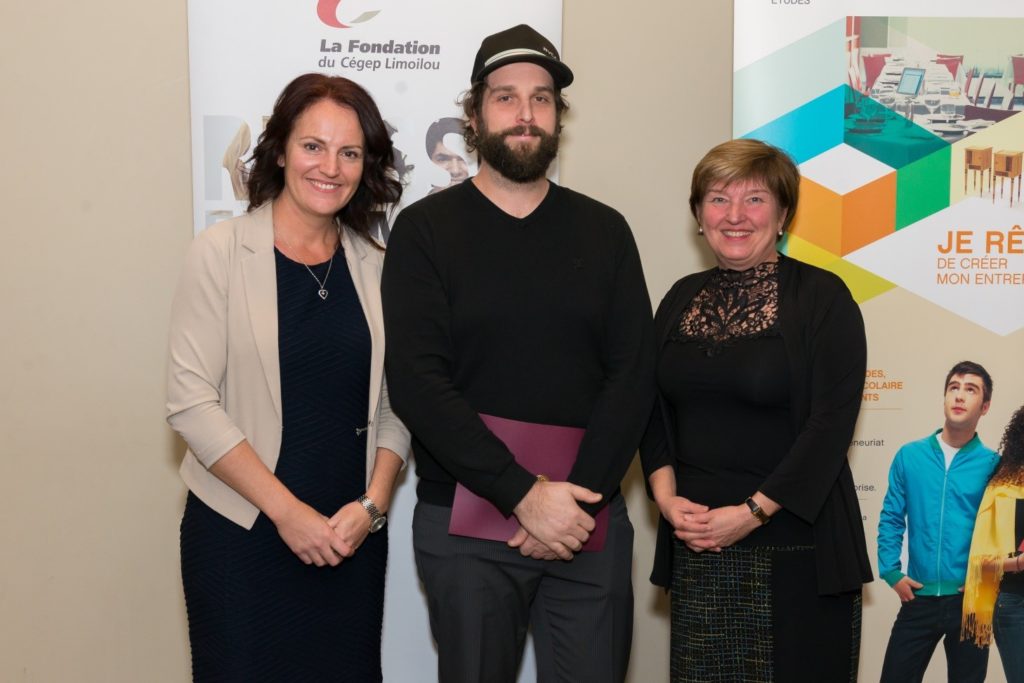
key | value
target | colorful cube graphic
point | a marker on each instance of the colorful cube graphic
(847, 200)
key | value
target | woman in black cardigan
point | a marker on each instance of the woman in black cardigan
(760, 373)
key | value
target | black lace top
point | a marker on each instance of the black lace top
(733, 305)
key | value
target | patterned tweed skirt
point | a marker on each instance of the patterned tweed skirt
(753, 615)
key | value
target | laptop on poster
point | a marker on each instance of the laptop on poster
(911, 82)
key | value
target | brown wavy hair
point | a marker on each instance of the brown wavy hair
(379, 189)
(1010, 469)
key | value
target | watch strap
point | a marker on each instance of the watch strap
(377, 518)
(756, 510)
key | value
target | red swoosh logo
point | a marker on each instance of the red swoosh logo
(327, 10)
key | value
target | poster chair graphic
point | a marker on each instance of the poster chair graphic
(1006, 164)
(977, 92)
(873, 65)
(967, 84)
(983, 99)
(977, 160)
(1018, 78)
(951, 62)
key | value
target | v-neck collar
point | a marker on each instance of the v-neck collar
(553, 191)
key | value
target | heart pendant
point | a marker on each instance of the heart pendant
(323, 294)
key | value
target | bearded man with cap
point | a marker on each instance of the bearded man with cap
(513, 298)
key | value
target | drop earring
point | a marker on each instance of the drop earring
(700, 229)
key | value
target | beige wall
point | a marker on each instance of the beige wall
(653, 92)
(97, 189)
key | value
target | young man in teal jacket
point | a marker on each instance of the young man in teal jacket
(935, 486)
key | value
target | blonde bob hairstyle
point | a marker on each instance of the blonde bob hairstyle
(745, 160)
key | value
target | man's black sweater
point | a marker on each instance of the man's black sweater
(542, 319)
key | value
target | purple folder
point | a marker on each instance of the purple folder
(542, 449)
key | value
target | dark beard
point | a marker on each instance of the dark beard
(519, 164)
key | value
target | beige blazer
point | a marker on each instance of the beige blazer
(224, 375)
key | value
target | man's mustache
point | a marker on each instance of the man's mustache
(524, 130)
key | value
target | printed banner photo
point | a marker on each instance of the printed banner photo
(415, 59)
(907, 122)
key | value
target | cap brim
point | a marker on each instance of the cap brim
(560, 73)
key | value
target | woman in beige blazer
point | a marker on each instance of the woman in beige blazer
(276, 342)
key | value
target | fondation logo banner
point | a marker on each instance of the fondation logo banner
(415, 59)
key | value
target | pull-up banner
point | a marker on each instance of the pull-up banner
(415, 59)
(907, 122)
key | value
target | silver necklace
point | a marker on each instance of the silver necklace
(322, 291)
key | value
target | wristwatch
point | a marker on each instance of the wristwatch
(756, 510)
(377, 518)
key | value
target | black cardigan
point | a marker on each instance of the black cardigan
(823, 332)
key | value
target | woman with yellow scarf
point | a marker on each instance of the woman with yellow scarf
(994, 591)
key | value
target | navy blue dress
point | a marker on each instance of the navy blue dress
(255, 611)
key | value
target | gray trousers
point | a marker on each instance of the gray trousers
(482, 596)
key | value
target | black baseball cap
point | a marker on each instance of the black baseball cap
(519, 44)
